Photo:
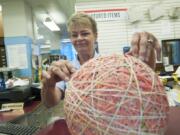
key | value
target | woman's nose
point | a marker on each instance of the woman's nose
(79, 36)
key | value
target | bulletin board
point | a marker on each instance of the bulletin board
(19, 55)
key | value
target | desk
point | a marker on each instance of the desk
(59, 127)
(7, 116)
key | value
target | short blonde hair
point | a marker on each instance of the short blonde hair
(81, 19)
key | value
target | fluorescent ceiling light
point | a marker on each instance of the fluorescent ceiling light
(0, 8)
(51, 24)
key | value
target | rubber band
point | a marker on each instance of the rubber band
(115, 95)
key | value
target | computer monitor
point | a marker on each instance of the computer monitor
(171, 52)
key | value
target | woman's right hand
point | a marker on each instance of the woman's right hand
(58, 71)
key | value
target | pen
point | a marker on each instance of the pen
(6, 110)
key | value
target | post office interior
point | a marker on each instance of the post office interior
(28, 45)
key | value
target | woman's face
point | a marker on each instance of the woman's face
(83, 40)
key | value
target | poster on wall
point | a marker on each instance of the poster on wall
(17, 56)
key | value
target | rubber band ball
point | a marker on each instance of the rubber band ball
(115, 95)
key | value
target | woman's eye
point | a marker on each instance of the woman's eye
(85, 34)
(74, 35)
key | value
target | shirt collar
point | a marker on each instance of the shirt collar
(76, 62)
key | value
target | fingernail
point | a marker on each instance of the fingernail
(66, 78)
(73, 70)
(135, 55)
(142, 58)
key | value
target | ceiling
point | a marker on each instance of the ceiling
(56, 8)
(59, 10)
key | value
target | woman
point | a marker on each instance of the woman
(83, 34)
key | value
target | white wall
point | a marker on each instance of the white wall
(17, 18)
(114, 34)
(29, 20)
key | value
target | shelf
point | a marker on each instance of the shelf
(6, 69)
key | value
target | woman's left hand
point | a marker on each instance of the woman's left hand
(146, 47)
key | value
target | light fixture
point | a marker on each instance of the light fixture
(48, 22)
(0, 8)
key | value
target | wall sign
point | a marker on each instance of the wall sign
(108, 14)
